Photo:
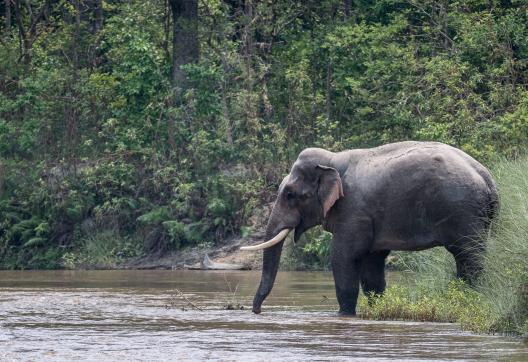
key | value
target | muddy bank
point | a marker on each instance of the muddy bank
(227, 253)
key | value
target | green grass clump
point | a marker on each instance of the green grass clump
(499, 300)
(456, 303)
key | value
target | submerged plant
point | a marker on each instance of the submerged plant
(232, 299)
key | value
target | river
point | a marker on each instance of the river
(141, 315)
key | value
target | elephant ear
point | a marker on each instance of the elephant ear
(330, 187)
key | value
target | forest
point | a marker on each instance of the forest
(132, 128)
(160, 124)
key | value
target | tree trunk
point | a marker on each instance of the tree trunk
(71, 109)
(98, 15)
(185, 50)
(23, 36)
(444, 24)
(350, 15)
(247, 41)
(185, 47)
(28, 35)
(7, 24)
(348, 6)
(76, 36)
(225, 107)
(2, 176)
(329, 90)
(166, 29)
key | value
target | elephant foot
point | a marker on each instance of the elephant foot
(345, 313)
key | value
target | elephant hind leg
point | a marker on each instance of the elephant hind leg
(468, 254)
(467, 247)
(372, 273)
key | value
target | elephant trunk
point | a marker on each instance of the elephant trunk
(270, 267)
(270, 262)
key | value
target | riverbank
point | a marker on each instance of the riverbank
(295, 257)
(229, 253)
(99, 252)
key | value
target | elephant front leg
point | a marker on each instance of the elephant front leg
(346, 278)
(347, 255)
(346, 267)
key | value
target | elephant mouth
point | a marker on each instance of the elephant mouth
(297, 235)
(299, 230)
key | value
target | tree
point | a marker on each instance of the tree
(28, 31)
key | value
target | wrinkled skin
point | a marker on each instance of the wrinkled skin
(401, 196)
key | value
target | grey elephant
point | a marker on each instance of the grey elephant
(400, 196)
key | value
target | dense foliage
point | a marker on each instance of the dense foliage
(103, 151)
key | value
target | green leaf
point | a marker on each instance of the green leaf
(34, 242)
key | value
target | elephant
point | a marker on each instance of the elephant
(400, 196)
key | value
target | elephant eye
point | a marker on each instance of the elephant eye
(305, 195)
(290, 195)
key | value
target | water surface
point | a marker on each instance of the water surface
(140, 315)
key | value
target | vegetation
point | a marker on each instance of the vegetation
(164, 123)
(499, 301)
(455, 303)
(312, 253)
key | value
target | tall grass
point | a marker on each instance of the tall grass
(499, 301)
(504, 283)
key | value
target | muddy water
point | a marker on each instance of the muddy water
(139, 315)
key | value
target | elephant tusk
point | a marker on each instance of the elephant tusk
(277, 239)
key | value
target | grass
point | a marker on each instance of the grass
(499, 301)
(457, 303)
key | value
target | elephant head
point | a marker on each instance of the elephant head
(304, 200)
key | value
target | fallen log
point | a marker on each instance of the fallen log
(208, 264)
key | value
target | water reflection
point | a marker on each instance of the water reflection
(139, 315)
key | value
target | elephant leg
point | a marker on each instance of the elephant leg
(346, 257)
(467, 247)
(372, 273)
(468, 257)
(346, 278)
